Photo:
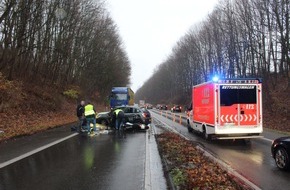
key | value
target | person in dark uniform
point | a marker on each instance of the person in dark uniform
(81, 114)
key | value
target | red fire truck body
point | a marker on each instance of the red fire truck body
(227, 109)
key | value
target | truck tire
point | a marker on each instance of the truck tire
(205, 135)
(247, 141)
(190, 130)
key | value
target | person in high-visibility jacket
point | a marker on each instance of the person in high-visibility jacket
(119, 118)
(90, 114)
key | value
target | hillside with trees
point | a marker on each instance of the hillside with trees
(238, 39)
(53, 53)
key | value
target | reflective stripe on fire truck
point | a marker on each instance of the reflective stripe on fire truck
(248, 117)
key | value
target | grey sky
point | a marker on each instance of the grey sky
(150, 29)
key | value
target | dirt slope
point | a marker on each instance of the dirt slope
(26, 108)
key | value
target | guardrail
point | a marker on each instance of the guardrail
(182, 120)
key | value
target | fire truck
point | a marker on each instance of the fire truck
(227, 109)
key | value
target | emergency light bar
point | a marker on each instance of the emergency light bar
(240, 81)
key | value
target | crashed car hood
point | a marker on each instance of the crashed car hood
(103, 113)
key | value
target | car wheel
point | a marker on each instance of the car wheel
(103, 122)
(282, 158)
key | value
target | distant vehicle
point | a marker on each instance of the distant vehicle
(132, 114)
(141, 103)
(281, 152)
(163, 107)
(227, 109)
(146, 114)
(121, 96)
(176, 108)
(149, 106)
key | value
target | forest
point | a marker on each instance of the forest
(54, 53)
(239, 39)
(62, 43)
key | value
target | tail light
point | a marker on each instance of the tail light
(145, 114)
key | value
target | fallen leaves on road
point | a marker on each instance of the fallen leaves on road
(189, 168)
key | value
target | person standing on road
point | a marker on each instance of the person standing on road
(90, 115)
(81, 114)
(119, 115)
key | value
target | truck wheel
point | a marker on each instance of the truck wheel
(205, 135)
(189, 129)
(247, 141)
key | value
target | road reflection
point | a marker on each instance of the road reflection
(82, 162)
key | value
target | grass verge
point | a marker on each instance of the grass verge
(189, 168)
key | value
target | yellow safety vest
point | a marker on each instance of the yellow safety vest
(89, 110)
(117, 111)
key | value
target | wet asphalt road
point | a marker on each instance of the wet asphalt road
(253, 160)
(114, 161)
(118, 161)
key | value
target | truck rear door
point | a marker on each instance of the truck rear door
(239, 105)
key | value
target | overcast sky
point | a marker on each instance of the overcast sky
(150, 28)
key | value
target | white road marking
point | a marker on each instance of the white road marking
(2, 165)
(229, 169)
(266, 139)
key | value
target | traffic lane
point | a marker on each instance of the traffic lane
(18, 146)
(114, 161)
(272, 135)
(252, 160)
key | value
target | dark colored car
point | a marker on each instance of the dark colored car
(281, 151)
(176, 108)
(163, 107)
(149, 106)
(132, 115)
(146, 114)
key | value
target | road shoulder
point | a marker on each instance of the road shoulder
(154, 175)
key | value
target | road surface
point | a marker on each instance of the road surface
(110, 161)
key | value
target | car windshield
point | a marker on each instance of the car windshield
(121, 96)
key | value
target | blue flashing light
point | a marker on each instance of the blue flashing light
(215, 79)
